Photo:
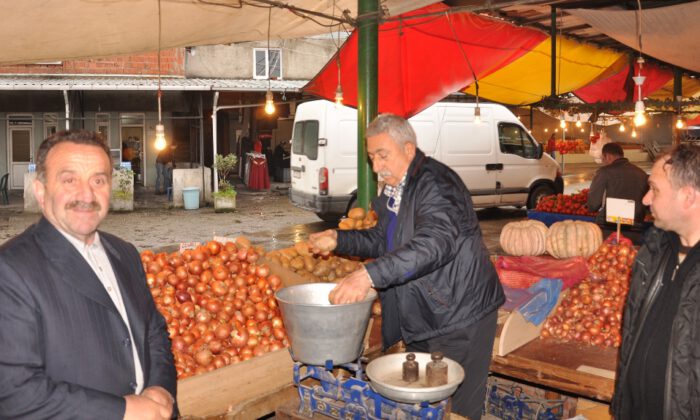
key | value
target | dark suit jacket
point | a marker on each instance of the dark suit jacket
(64, 348)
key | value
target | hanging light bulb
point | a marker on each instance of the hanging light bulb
(634, 133)
(562, 122)
(639, 117)
(679, 122)
(578, 121)
(269, 103)
(477, 114)
(622, 127)
(338, 96)
(546, 130)
(160, 137)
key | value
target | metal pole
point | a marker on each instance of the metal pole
(201, 140)
(367, 59)
(213, 136)
(553, 36)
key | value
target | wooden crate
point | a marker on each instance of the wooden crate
(240, 390)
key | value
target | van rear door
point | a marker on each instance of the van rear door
(305, 158)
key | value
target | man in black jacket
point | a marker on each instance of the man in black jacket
(658, 374)
(438, 289)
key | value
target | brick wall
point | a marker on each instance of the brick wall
(172, 63)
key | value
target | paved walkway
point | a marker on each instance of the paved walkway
(267, 218)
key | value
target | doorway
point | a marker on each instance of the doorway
(132, 139)
(19, 131)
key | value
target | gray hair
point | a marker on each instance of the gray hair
(90, 138)
(399, 129)
(683, 163)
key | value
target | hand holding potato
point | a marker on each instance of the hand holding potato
(352, 288)
(323, 242)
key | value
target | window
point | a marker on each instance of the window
(267, 63)
(305, 140)
(515, 140)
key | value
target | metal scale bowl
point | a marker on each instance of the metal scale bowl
(323, 335)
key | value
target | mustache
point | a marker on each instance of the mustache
(81, 205)
(384, 174)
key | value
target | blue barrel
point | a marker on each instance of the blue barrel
(191, 197)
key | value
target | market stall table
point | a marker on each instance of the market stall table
(583, 370)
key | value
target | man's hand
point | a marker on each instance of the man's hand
(148, 405)
(351, 289)
(323, 242)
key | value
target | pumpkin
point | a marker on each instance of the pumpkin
(525, 237)
(573, 238)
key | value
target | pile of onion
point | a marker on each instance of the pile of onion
(218, 303)
(591, 312)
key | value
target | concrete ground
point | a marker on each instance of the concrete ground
(267, 218)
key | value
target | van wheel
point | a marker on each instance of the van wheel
(329, 217)
(538, 193)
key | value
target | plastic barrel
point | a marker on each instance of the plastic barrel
(191, 197)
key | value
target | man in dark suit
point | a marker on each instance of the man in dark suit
(80, 336)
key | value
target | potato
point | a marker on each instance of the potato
(347, 224)
(309, 263)
(357, 213)
(297, 263)
(302, 248)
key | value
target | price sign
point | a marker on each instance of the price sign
(618, 210)
(188, 245)
(224, 239)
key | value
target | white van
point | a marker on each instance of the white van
(498, 160)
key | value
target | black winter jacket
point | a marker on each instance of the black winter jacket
(438, 278)
(682, 381)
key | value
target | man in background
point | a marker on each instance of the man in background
(165, 162)
(618, 178)
(438, 289)
(80, 336)
(659, 365)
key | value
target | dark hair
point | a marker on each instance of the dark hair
(683, 162)
(613, 149)
(90, 138)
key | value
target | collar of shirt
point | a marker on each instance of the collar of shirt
(394, 194)
(81, 246)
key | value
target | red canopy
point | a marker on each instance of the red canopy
(615, 87)
(420, 59)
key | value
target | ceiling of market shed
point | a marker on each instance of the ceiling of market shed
(39, 30)
(669, 28)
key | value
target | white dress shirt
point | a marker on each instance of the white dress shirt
(97, 259)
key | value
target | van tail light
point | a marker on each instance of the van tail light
(323, 181)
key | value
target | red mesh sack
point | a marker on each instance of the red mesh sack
(522, 272)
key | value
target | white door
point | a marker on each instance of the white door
(20, 153)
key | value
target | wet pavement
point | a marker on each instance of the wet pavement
(267, 218)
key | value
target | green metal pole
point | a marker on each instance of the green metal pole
(367, 17)
(553, 35)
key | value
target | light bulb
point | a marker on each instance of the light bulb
(640, 119)
(679, 122)
(562, 123)
(622, 128)
(477, 114)
(338, 96)
(556, 130)
(546, 130)
(269, 103)
(578, 122)
(582, 130)
(160, 137)
(634, 133)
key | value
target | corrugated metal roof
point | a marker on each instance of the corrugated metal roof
(106, 83)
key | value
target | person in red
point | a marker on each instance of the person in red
(551, 146)
(257, 147)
